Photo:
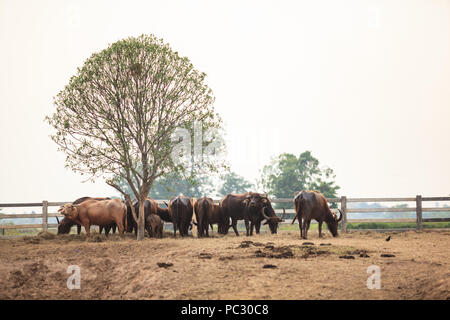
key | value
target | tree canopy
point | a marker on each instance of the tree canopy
(233, 183)
(287, 174)
(173, 184)
(125, 113)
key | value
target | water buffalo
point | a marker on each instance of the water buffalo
(271, 218)
(250, 207)
(150, 207)
(108, 228)
(313, 205)
(209, 213)
(154, 226)
(65, 225)
(181, 211)
(93, 212)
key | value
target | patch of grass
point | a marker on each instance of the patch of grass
(396, 225)
(371, 225)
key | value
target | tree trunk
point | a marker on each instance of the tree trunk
(141, 221)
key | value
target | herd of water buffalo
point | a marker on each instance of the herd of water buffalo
(251, 207)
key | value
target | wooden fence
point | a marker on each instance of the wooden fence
(342, 201)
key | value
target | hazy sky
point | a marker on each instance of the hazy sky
(364, 85)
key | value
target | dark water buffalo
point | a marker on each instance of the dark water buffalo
(150, 207)
(272, 219)
(252, 207)
(313, 205)
(108, 228)
(209, 213)
(181, 211)
(94, 212)
(65, 225)
(201, 208)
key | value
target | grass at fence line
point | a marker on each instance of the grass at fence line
(374, 225)
(394, 225)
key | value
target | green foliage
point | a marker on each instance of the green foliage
(287, 174)
(233, 183)
(174, 184)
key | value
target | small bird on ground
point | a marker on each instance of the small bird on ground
(388, 238)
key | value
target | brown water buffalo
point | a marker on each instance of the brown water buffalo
(209, 213)
(181, 211)
(65, 225)
(154, 226)
(100, 213)
(313, 205)
(249, 207)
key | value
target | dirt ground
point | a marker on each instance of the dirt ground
(259, 267)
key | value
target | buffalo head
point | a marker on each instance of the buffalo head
(69, 211)
(271, 218)
(64, 225)
(332, 222)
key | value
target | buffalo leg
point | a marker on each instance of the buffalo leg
(87, 228)
(320, 229)
(206, 229)
(200, 228)
(78, 229)
(182, 228)
(120, 226)
(174, 229)
(300, 226)
(247, 227)
(252, 225)
(257, 227)
(114, 228)
(301, 230)
(306, 224)
(234, 225)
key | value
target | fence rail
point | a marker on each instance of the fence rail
(342, 201)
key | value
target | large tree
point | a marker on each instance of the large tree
(125, 114)
(288, 173)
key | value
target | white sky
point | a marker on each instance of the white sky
(364, 85)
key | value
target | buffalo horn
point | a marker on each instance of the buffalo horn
(263, 214)
(340, 216)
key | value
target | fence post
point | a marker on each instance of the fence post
(44, 215)
(344, 212)
(419, 213)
